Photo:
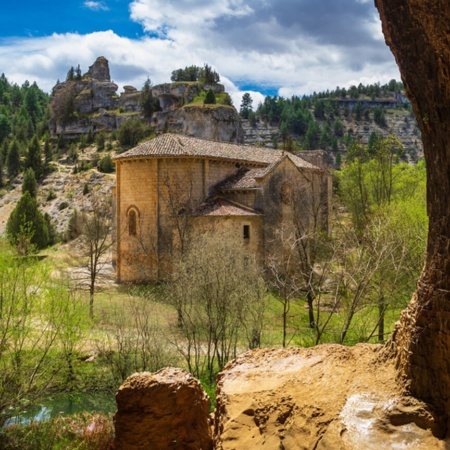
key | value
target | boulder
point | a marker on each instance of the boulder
(163, 410)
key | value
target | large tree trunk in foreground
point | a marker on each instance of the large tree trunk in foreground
(418, 33)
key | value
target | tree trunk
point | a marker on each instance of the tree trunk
(418, 33)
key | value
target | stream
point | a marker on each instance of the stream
(67, 404)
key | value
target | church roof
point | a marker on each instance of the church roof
(177, 145)
(222, 207)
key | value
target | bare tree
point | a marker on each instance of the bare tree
(221, 296)
(95, 241)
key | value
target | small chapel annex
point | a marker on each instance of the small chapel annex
(173, 188)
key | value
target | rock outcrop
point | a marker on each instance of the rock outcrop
(418, 33)
(175, 95)
(162, 410)
(327, 397)
(91, 103)
(213, 122)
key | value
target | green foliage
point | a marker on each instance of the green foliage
(5, 127)
(73, 230)
(85, 189)
(29, 183)
(51, 195)
(100, 141)
(372, 181)
(131, 132)
(210, 98)
(13, 159)
(106, 165)
(312, 137)
(148, 103)
(63, 103)
(379, 116)
(246, 105)
(77, 432)
(203, 74)
(33, 158)
(26, 227)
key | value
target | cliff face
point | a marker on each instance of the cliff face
(219, 123)
(91, 103)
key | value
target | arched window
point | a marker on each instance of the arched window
(132, 222)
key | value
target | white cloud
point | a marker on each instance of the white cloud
(246, 42)
(95, 6)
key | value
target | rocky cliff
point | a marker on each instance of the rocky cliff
(91, 102)
(214, 122)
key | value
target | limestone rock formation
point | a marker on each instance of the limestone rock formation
(100, 70)
(328, 397)
(418, 33)
(218, 123)
(172, 95)
(91, 103)
(162, 410)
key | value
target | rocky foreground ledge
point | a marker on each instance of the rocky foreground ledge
(327, 397)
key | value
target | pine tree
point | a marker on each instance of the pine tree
(246, 105)
(26, 225)
(13, 159)
(148, 103)
(33, 157)
(210, 98)
(29, 183)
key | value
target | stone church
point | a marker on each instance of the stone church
(174, 188)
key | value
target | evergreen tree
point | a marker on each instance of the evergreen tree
(246, 105)
(13, 159)
(148, 103)
(70, 74)
(78, 75)
(4, 151)
(5, 127)
(29, 183)
(312, 137)
(33, 158)
(210, 98)
(26, 225)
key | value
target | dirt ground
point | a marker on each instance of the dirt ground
(327, 397)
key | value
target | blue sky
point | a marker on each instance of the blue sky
(284, 47)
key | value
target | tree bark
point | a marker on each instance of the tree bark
(418, 33)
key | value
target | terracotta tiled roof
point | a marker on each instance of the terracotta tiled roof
(177, 145)
(221, 207)
(243, 179)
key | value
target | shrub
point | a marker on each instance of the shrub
(210, 98)
(51, 195)
(106, 165)
(63, 205)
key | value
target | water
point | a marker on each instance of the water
(67, 404)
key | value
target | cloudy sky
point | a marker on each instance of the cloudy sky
(275, 47)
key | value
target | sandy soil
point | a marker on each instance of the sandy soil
(327, 397)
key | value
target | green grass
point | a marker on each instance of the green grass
(80, 432)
